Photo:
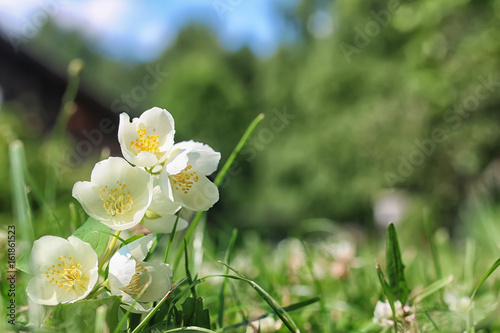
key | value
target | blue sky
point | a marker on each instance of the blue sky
(141, 30)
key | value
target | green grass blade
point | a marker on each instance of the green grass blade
(18, 171)
(470, 261)
(431, 289)
(432, 244)
(319, 290)
(57, 139)
(189, 329)
(289, 308)
(171, 238)
(188, 273)
(220, 177)
(388, 293)
(284, 316)
(490, 271)
(223, 171)
(227, 259)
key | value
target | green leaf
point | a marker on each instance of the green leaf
(80, 317)
(133, 238)
(395, 267)
(193, 313)
(95, 233)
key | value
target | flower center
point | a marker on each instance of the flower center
(145, 143)
(184, 180)
(116, 200)
(135, 286)
(65, 273)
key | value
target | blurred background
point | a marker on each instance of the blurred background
(374, 109)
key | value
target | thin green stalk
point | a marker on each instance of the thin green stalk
(432, 243)
(171, 238)
(227, 259)
(22, 211)
(288, 308)
(277, 308)
(188, 273)
(319, 290)
(110, 249)
(220, 177)
(129, 310)
(65, 112)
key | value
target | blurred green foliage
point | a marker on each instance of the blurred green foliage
(362, 102)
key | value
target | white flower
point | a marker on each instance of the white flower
(457, 303)
(183, 177)
(383, 313)
(160, 216)
(147, 140)
(118, 194)
(65, 270)
(264, 325)
(129, 275)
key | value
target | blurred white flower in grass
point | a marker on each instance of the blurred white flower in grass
(184, 176)
(65, 270)
(336, 258)
(160, 216)
(390, 207)
(460, 306)
(264, 325)
(118, 194)
(383, 313)
(129, 275)
(146, 141)
(456, 303)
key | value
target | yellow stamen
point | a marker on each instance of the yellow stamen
(116, 200)
(135, 286)
(65, 277)
(184, 180)
(145, 143)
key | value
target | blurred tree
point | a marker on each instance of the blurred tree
(401, 94)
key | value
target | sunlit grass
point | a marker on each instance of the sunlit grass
(326, 277)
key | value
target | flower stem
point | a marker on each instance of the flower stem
(218, 180)
(171, 238)
(110, 248)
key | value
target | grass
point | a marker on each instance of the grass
(328, 277)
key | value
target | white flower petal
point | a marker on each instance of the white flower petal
(85, 255)
(140, 247)
(121, 270)
(146, 140)
(160, 122)
(118, 194)
(41, 292)
(176, 162)
(45, 252)
(88, 196)
(162, 204)
(127, 129)
(165, 224)
(202, 195)
(200, 156)
(65, 270)
(159, 275)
